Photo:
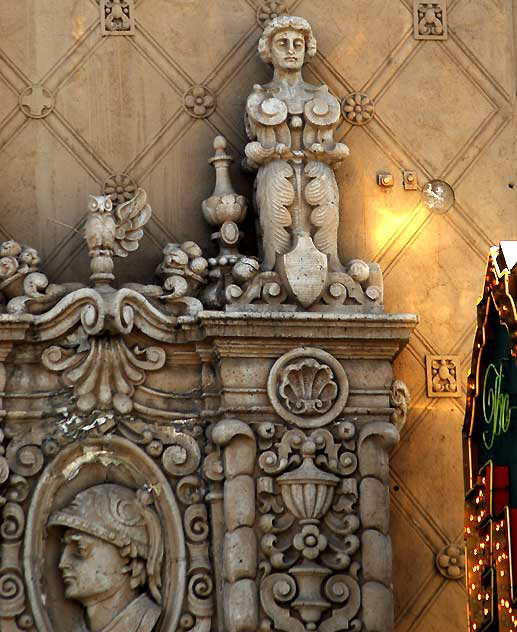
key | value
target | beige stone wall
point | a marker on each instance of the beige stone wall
(443, 108)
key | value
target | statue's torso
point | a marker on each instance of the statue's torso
(140, 615)
(297, 116)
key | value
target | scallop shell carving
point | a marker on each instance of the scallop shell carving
(308, 387)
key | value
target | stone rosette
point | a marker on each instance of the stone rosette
(450, 562)
(199, 101)
(358, 108)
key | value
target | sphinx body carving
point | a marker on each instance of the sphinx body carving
(292, 125)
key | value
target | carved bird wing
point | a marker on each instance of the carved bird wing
(130, 218)
(275, 193)
(322, 193)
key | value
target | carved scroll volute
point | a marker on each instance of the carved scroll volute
(240, 546)
(375, 442)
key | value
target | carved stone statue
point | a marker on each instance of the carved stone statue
(268, 455)
(112, 548)
(291, 124)
(111, 232)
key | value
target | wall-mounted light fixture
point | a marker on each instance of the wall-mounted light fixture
(438, 196)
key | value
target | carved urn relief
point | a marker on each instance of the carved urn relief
(209, 451)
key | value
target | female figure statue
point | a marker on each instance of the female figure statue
(291, 125)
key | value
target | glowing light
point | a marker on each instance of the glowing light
(79, 28)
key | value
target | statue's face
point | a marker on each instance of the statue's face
(288, 49)
(92, 569)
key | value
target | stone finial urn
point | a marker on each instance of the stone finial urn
(308, 491)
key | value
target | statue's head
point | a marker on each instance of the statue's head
(286, 42)
(112, 541)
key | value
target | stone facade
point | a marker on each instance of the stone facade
(86, 113)
(210, 452)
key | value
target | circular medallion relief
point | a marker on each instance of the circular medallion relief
(104, 524)
(308, 387)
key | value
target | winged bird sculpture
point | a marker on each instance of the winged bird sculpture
(113, 231)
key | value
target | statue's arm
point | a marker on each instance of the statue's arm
(269, 140)
(272, 143)
(320, 145)
(318, 135)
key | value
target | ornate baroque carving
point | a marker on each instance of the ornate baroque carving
(308, 387)
(199, 101)
(358, 108)
(117, 17)
(105, 373)
(118, 463)
(310, 540)
(443, 376)
(183, 271)
(430, 20)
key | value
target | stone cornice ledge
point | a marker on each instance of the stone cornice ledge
(317, 325)
(14, 326)
(394, 329)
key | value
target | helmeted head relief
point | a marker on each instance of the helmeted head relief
(286, 23)
(121, 517)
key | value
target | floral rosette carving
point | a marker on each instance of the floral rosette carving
(450, 561)
(358, 108)
(199, 101)
(120, 188)
(269, 10)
